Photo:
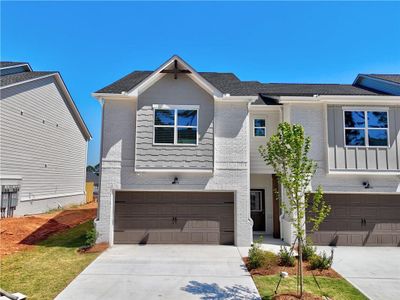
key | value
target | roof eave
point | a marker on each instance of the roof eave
(228, 97)
(81, 122)
(356, 81)
(341, 99)
(16, 66)
(28, 80)
(112, 96)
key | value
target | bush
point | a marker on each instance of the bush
(321, 261)
(286, 258)
(308, 250)
(90, 237)
(259, 258)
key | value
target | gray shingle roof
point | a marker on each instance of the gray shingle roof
(388, 77)
(126, 83)
(228, 83)
(294, 89)
(131, 80)
(5, 64)
(20, 77)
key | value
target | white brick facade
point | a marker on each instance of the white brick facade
(231, 165)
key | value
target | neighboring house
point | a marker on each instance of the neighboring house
(385, 83)
(44, 142)
(92, 182)
(180, 160)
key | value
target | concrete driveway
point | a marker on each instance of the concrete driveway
(164, 272)
(373, 270)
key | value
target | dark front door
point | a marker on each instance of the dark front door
(257, 209)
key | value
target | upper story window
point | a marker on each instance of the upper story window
(175, 126)
(259, 128)
(366, 128)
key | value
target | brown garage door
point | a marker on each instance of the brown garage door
(174, 218)
(360, 220)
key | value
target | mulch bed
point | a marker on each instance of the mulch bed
(21, 233)
(276, 270)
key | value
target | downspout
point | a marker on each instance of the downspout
(101, 157)
(280, 191)
(249, 219)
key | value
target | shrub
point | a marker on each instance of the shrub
(260, 258)
(286, 258)
(308, 250)
(90, 237)
(321, 261)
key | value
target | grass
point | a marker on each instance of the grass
(43, 272)
(334, 288)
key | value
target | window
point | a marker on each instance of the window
(366, 128)
(175, 126)
(259, 127)
(256, 201)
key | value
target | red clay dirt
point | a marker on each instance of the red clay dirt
(21, 233)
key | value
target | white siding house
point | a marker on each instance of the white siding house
(44, 142)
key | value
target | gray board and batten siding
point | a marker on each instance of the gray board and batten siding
(342, 158)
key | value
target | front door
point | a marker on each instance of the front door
(257, 209)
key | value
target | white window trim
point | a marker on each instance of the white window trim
(365, 128)
(175, 108)
(258, 127)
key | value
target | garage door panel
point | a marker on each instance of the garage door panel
(369, 212)
(174, 217)
(227, 238)
(355, 212)
(340, 212)
(387, 213)
(366, 220)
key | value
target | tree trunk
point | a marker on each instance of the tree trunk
(301, 266)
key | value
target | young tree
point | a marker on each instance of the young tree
(287, 152)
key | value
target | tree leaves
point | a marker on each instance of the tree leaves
(287, 153)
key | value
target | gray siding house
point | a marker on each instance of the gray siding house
(180, 161)
(43, 139)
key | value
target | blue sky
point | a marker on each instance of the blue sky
(94, 43)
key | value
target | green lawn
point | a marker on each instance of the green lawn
(43, 272)
(334, 288)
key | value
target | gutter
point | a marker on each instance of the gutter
(228, 97)
(341, 99)
(101, 96)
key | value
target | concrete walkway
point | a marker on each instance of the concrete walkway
(373, 270)
(164, 272)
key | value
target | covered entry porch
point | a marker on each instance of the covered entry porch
(264, 206)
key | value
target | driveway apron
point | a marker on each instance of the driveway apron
(164, 272)
(373, 270)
